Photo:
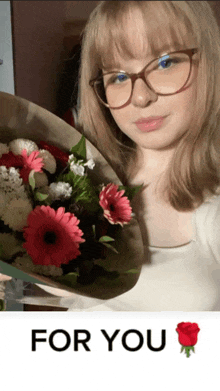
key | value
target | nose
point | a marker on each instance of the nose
(142, 95)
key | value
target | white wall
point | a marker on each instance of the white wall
(6, 69)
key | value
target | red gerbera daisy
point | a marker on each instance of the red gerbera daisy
(56, 152)
(52, 237)
(117, 209)
(30, 163)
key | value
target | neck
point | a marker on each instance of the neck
(152, 164)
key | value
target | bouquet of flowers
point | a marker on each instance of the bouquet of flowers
(54, 220)
(65, 217)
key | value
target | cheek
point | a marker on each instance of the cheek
(122, 117)
(183, 104)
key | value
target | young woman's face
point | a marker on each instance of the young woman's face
(175, 112)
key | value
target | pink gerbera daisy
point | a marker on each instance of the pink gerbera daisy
(117, 209)
(52, 236)
(31, 162)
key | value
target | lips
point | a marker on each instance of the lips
(150, 123)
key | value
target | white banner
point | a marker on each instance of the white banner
(99, 351)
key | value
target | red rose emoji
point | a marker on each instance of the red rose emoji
(188, 334)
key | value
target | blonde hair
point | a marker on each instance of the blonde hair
(193, 172)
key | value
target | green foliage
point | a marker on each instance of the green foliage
(106, 239)
(111, 247)
(83, 191)
(31, 179)
(79, 150)
(132, 271)
(69, 279)
(40, 196)
(130, 192)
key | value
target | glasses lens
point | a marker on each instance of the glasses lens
(115, 89)
(169, 73)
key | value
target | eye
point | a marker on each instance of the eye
(168, 61)
(118, 78)
(165, 62)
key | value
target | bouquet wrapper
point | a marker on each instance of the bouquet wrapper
(23, 119)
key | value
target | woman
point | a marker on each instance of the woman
(149, 99)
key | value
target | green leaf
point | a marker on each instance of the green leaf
(182, 349)
(80, 149)
(83, 191)
(130, 192)
(40, 196)
(69, 279)
(106, 239)
(31, 179)
(133, 271)
(111, 247)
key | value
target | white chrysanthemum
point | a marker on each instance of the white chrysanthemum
(48, 160)
(59, 191)
(11, 183)
(25, 263)
(3, 149)
(40, 179)
(17, 146)
(16, 214)
(90, 163)
(10, 245)
(14, 176)
(49, 270)
(3, 173)
(77, 168)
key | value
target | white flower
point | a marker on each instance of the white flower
(48, 160)
(90, 163)
(40, 179)
(71, 157)
(14, 177)
(60, 190)
(17, 146)
(10, 245)
(3, 149)
(77, 168)
(3, 173)
(11, 183)
(16, 214)
(25, 263)
(49, 270)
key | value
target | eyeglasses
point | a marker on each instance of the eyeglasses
(165, 75)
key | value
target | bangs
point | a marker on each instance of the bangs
(132, 29)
